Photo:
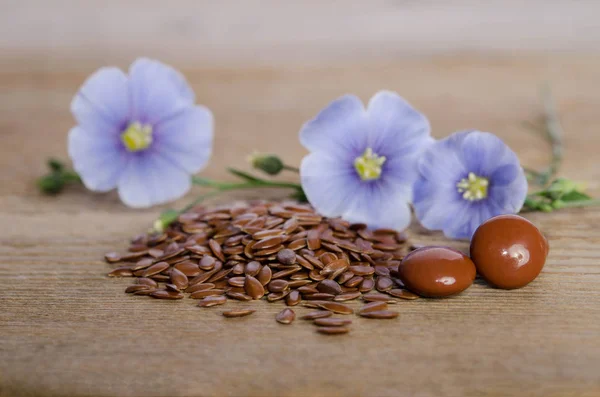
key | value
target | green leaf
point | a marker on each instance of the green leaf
(51, 183)
(70, 176)
(563, 185)
(575, 195)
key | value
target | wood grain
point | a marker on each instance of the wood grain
(66, 329)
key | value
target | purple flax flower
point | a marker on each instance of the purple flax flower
(140, 133)
(466, 179)
(362, 163)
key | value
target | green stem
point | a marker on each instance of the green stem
(553, 130)
(198, 200)
(553, 133)
(259, 183)
(243, 175)
(533, 173)
(290, 168)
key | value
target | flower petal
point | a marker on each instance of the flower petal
(509, 198)
(396, 128)
(186, 139)
(483, 153)
(505, 174)
(328, 184)
(487, 155)
(341, 129)
(102, 102)
(464, 221)
(436, 205)
(157, 91)
(150, 179)
(98, 158)
(402, 170)
(469, 217)
(440, 161)
(379, 205)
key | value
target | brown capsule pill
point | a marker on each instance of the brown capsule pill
(436, 272)
(508, 251)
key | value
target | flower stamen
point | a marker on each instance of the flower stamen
(137, 137)
(474, 187)
(368, 166)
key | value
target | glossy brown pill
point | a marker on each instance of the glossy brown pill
(436, 272)
(508, 251)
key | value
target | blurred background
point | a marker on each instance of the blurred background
(72, 34)
(265, 67)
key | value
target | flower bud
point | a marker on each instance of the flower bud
(51, 183)
(55, 165)
(268, 163)
(164, 220)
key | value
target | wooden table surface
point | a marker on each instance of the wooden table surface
(67, 329)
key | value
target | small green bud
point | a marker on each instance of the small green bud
(157, 227)
(55, 165)
(51, 183)
(165, 219)
(268, 163)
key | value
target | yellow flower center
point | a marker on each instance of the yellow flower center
(368, 166)
(473, 187)
(137, 137)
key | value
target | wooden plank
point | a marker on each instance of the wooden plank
(65, 329)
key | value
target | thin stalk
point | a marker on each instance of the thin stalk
(554, 133)
(198, 200)
(290, 168)
(259, 183)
